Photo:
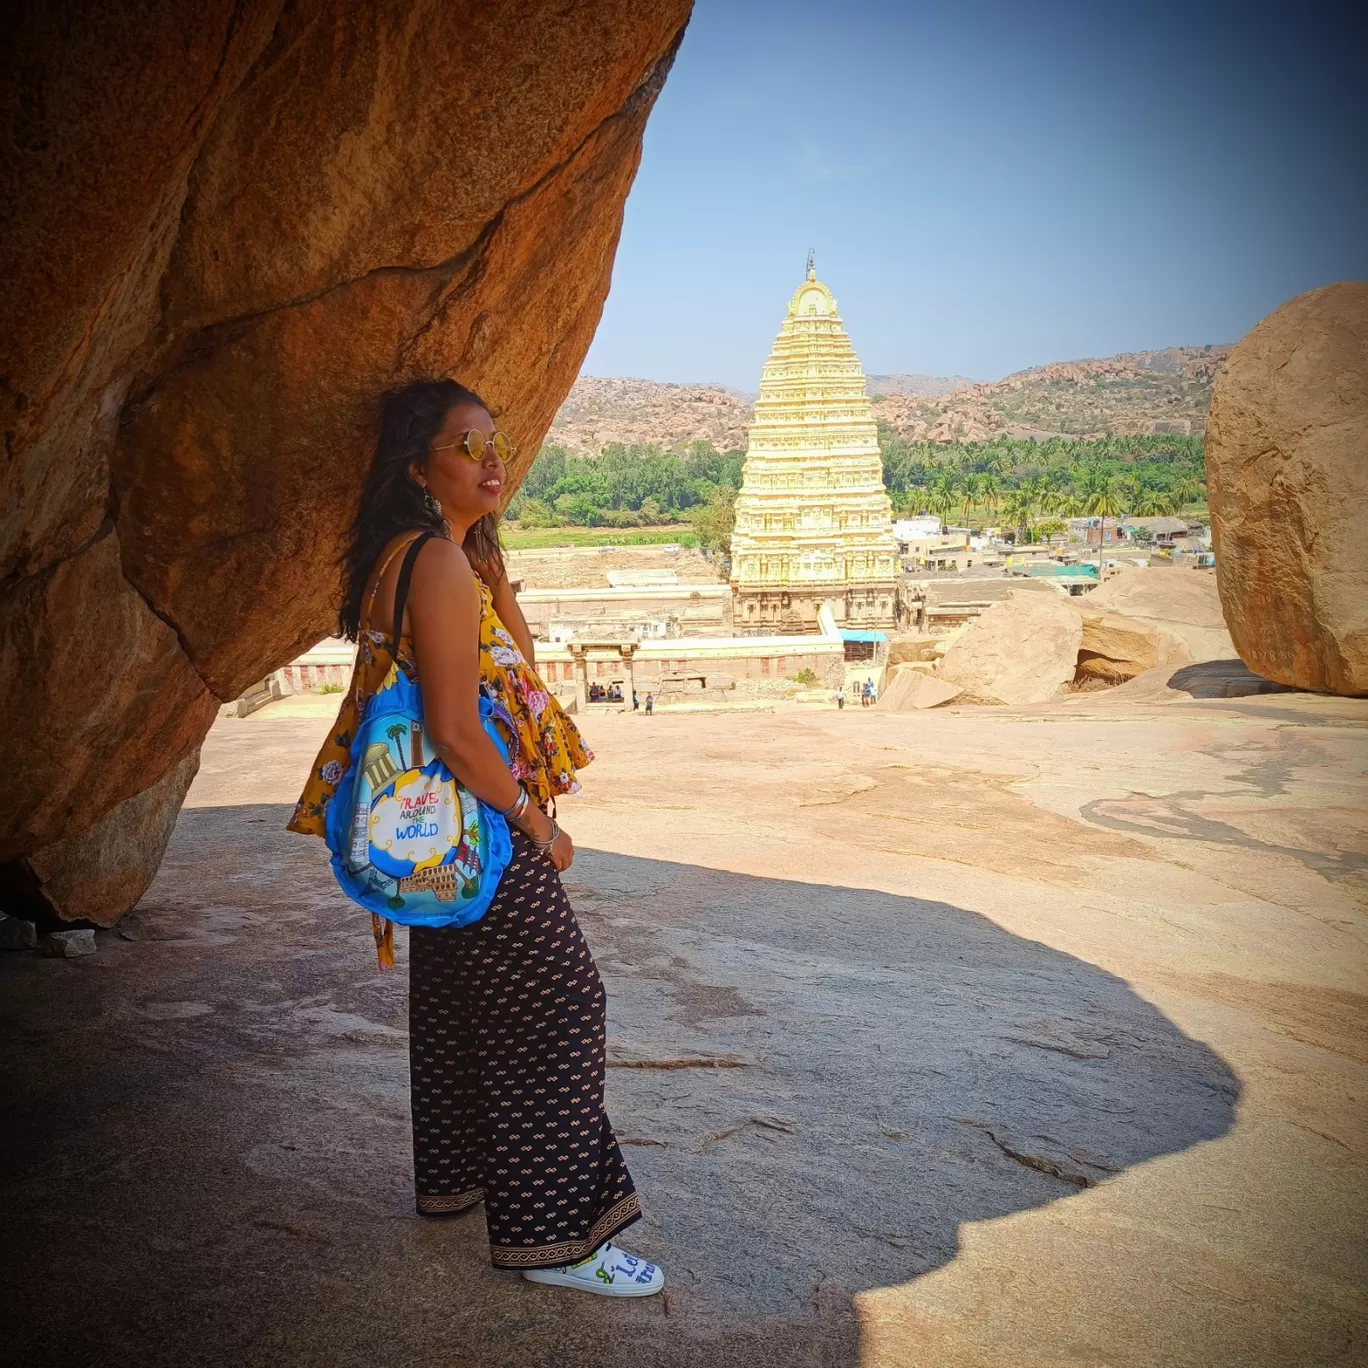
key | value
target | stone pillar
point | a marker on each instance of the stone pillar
(628, 649)
(580, 661)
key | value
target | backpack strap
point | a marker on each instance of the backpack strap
(401, 589)
(368, 606)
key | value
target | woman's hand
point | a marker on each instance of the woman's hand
(538, 826)
(563, 852)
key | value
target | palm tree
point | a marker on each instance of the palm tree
(969, 496)
(945, 496)
(1020, 507)
(1103, 504)
(1185, 491)
(941, 501)
(1152, 503)
(990, 492)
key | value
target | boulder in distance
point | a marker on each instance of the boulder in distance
(1116, 648)
(1287, 483)
(1022, 650)
(1184, 602)
(911, 690)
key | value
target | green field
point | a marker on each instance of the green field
(516, 538)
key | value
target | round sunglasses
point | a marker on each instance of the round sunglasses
(475, 443)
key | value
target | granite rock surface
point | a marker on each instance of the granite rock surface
(911, 690)
(228, 229)
(1022, 650)
(1044, 1030)
(1287, 481)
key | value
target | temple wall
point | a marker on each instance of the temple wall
(757, 658)
(632, 613)
(796, 609)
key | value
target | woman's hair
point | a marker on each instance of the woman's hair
(392, 503)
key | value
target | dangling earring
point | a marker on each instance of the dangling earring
(432, 506)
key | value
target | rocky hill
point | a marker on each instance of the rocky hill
(918, 386)
(598, 411)
(1138, 392)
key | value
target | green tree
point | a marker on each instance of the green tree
(1152, 504)
(990, 493)
(1020, 510)
(714, 521)
(579, 509)
(1185, 490)
(535, 513)
(940, 501)
(1103, 504)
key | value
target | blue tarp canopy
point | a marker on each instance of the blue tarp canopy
(864, 636)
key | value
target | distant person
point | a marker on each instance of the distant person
(650, 704)
(840, 698)
(865, 691)
(635, 704)
(506, 1014)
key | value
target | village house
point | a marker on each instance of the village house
(1168, 532)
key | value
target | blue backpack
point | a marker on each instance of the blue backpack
(408, 841)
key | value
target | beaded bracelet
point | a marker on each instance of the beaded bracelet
(544, 847)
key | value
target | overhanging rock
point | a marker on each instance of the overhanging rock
(229, 228)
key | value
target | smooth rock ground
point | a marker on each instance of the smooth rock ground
(1049, 1024)
(1287, 481)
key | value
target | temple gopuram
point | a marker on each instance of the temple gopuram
(814, 525)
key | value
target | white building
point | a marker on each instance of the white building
(916, 529)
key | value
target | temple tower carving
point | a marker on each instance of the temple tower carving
(813, 522)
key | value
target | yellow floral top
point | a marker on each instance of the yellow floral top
(543, 754)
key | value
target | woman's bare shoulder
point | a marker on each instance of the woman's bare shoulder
(443, 580)
(441, 568)
(442, 564)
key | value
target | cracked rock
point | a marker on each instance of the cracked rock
(17, 934)
(68, 944)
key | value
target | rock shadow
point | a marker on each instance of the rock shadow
(205, 1130)
(908, 1066)
(1223, 679)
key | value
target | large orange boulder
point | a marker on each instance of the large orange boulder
(227, 228)
(1021, 650)
(1287, 481)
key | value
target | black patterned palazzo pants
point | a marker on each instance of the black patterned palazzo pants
(506, 1062)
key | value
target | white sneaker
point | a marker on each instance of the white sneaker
(607, 1272)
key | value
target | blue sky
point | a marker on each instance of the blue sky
(987, 185)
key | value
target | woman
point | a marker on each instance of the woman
(506, 1015)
